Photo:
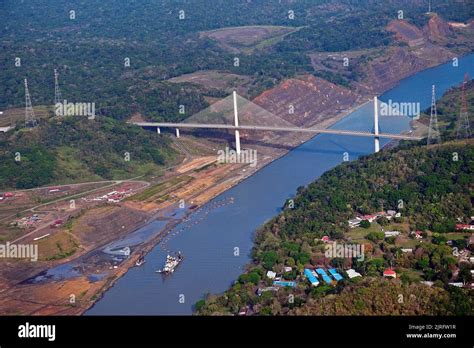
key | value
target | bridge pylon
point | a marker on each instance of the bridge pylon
(236, 123)
(376, 125)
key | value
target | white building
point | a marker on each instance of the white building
(271, 275)
(352, 273)
(391, 233)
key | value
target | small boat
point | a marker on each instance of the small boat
(140, 261)
(171, 263)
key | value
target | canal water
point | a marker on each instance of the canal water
(217, 239)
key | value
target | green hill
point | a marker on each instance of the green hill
(77, 149)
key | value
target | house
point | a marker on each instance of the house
(370, 218)
(8, 194)
(244, 311)
(391, 234)
(463, 227)
(352, 273)
(389, 273)
(325, 239)
(417, 234)
(354, 222)
(271, 275)
(406, 250)
(287, 269)
(427, 283)
(311, 278)
(56, 223)
(391, 212)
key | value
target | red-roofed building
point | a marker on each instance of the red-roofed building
(325, 239)
(370, 218)
(462, 227)
(389, 273)
(8, 194)
(56, 223)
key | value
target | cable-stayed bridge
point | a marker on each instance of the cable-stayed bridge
(239, 114)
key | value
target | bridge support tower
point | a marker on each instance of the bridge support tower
(376, 125)
(236, 123)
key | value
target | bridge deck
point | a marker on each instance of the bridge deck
(276, 129)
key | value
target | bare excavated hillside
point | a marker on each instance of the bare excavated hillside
(437, 29)
(307, 100)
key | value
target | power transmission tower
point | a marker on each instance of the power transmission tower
(433, 131)
(57, 91)
(30, 120)
(463, 127)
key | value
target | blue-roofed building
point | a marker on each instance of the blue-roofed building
(321, 271)
(327, 279)
(284, 283)
(336, 275)
(324, 275)
(312, 279)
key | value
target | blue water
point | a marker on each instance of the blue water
(210, 239)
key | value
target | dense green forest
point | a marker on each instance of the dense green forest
(434, 185)
(77, 149)
(89, 50)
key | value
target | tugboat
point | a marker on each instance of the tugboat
(140, 261)
(171, 263)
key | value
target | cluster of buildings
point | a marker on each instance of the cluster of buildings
(314, 276)
(26, 222)
(111, 197)
(389, 214)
